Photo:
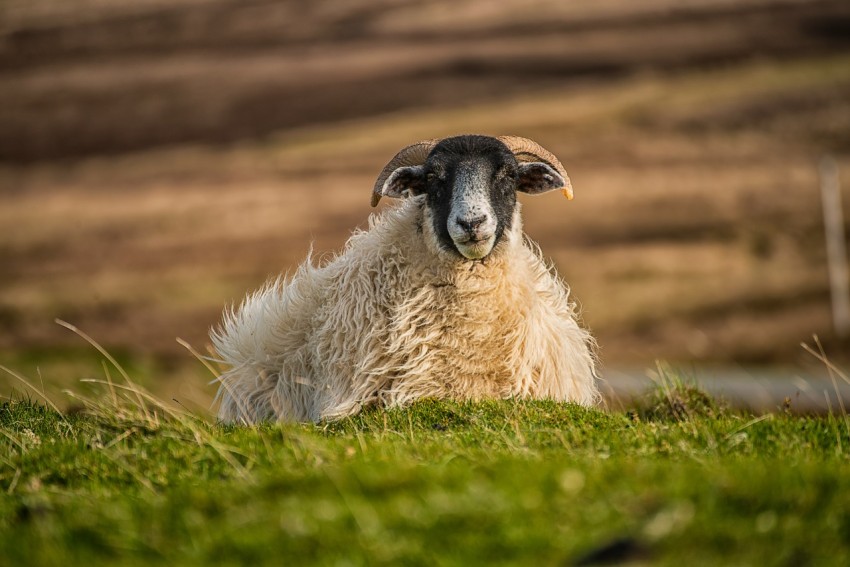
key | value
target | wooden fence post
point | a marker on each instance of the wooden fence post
(833, 221)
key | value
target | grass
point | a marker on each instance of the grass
(123, 479)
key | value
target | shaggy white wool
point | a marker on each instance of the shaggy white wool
(394, 318)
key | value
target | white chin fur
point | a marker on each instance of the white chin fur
(475, 251)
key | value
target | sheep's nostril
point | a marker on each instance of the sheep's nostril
(471, 225)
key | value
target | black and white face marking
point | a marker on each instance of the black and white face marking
(471, 190)
(470, 184)
(471, 221)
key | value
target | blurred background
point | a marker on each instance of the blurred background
(159, 159)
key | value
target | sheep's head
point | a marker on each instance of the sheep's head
(470, 183)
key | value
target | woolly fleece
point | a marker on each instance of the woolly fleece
(395, 318)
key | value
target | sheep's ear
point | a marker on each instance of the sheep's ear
(405, 182)
(537, 177)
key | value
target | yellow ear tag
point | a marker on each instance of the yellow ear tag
(568, 193)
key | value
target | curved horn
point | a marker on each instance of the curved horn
(526, 150)
(414, 154)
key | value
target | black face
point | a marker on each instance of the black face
(473, 164)
(470, 183)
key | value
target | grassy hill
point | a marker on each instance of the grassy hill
(160, 158)
(123, 480)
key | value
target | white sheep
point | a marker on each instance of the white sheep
(443, 297)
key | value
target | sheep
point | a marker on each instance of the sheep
(442, 296)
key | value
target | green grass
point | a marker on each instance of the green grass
(123, 480)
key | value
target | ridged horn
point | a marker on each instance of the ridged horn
(414, 154)
(526, 150)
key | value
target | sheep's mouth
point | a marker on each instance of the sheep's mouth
(475, 248)
(472, 241)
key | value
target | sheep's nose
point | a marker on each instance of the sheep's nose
(471, 225)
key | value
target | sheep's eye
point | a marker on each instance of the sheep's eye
(431, 177)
